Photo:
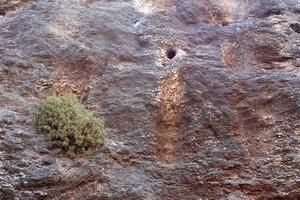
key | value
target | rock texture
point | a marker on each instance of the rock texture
(201, 98)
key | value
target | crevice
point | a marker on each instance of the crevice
(2, 12)
(295, 27)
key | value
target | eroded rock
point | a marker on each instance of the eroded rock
(200, 98)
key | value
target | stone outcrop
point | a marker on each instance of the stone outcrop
(200, 98)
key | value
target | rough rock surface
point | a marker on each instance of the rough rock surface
(201, 98)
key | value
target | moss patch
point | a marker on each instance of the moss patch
(69, 125)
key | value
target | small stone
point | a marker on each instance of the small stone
(46, 161)
(297, 62)
(226, 191)
(279, 135)
(44, 151)
(7, 117)
(41, 193)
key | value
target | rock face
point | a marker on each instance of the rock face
(201, 98)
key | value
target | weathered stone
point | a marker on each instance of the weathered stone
(7, 117)
(200, 98)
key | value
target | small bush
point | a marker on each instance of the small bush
(69, 125)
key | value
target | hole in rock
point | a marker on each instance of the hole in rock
(295, 27)
(171, 53)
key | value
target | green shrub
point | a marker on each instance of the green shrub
(69, 125)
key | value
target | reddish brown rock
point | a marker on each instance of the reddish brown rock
(200, 98)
